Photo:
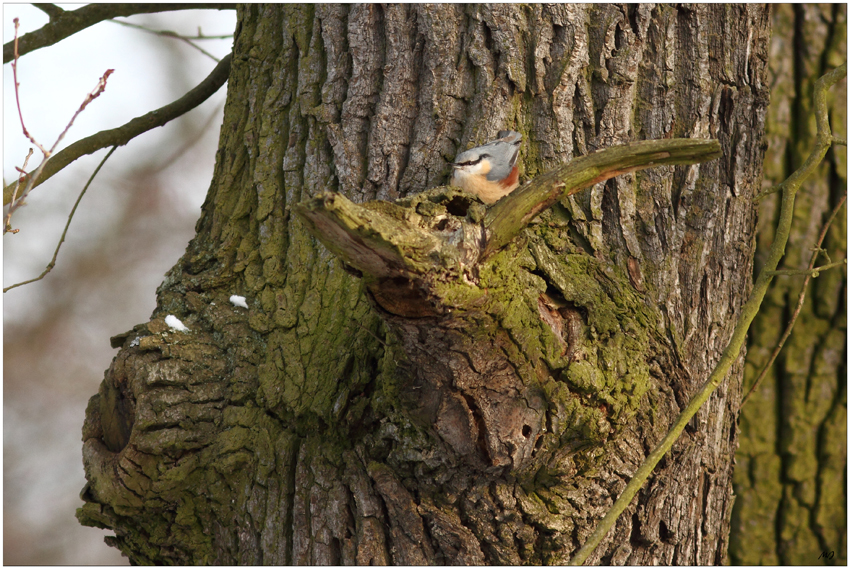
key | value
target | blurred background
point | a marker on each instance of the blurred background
(132, 225)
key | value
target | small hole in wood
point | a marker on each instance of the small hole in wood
(458, 206)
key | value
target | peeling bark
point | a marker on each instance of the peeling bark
(351, 416)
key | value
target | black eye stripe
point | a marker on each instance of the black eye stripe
(473, 162)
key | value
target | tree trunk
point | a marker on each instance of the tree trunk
(464, 412)
(791, 474)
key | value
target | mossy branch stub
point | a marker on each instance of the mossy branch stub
(383, 240)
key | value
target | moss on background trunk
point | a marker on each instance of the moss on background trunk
(791, 475)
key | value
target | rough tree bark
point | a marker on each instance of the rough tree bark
(491, 418)
(791, 473)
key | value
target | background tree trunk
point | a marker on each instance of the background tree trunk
(496, 418)
(791, 473)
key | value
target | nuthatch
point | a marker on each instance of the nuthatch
(489, 170)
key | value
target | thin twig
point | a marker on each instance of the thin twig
(800, 299)
(52, 262)
(168, 33)
(7, 225)
(177, 154)
(94, 94)
(17, 92)
(812, 272)
(769, 191)
(33, 178)
(175, 35)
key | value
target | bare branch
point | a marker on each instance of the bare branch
(52, 262)
(70, 22)
(124, 134)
